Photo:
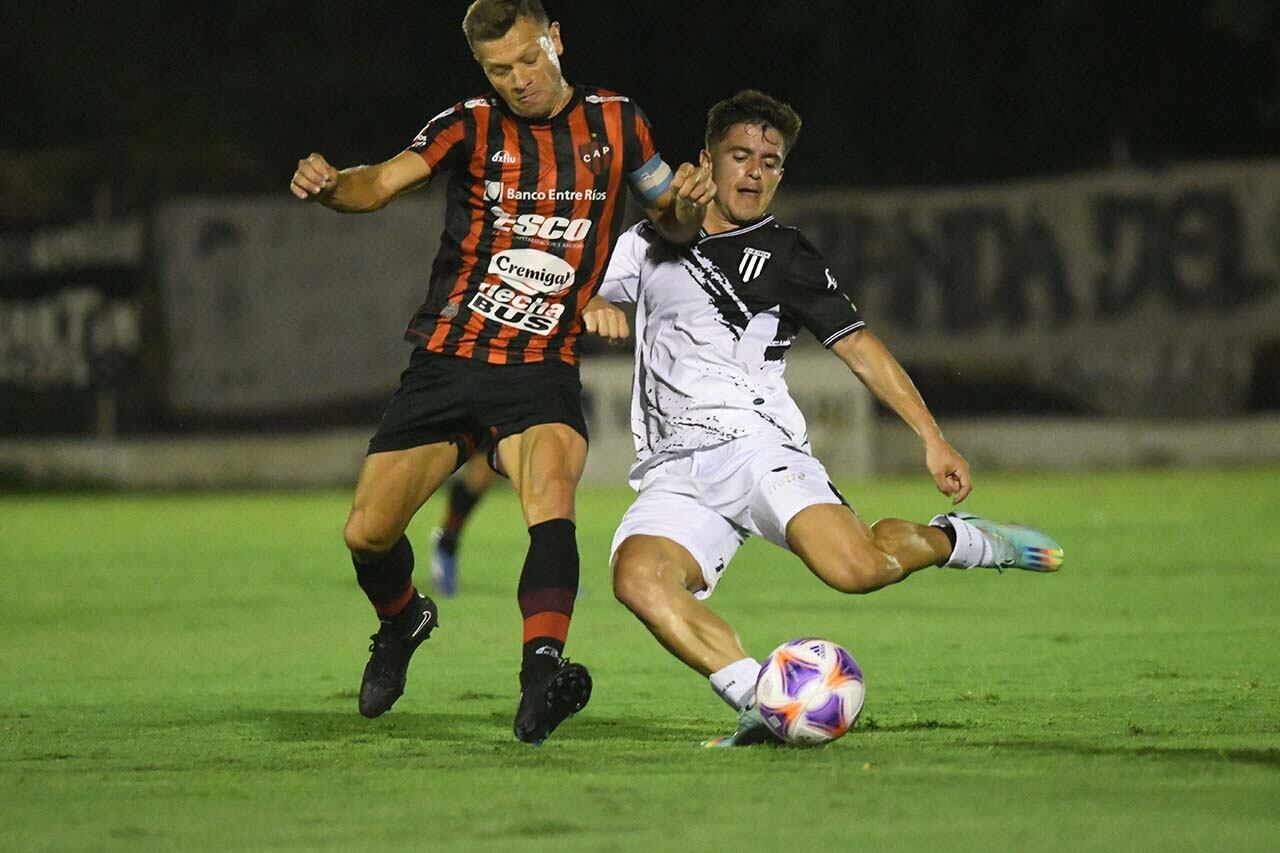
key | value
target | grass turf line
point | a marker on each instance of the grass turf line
(179, 671)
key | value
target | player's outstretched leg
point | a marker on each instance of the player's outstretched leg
(981, 542)
(393, 485)
(653, 577)
(545, 462)
(852, 557)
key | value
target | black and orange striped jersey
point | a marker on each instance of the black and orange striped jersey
(533, 209)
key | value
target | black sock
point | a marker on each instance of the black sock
(548, 587)
(461, 501)
(388, 580)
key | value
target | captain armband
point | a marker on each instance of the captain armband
(651, 180)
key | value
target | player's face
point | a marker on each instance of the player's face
(746, 166)
(524, 67)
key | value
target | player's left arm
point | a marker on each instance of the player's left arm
(821, 303)
(873, 364)
(678, 213)
(676, 203)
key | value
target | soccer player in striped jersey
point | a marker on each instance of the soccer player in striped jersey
(538, 168)
(723, 451)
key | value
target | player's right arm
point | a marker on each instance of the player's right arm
(360, 189)
(621, 284)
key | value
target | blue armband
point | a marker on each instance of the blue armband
(651, 180)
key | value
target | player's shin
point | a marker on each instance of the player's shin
(387, 580)
(548, 588)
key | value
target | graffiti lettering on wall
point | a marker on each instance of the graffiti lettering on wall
(76, 337)
(966, 268)
(1135, 293)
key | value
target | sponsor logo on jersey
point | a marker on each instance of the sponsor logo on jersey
(785, 480)
(532, 272)
(589, 194)
(604, 99)
(504, 156)
(831, 280)
(526, 313)
(752, 263)
(476, 102)
(493, 191)
(596, 155)
(535, 225)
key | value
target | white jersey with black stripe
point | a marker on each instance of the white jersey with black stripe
(713, 323)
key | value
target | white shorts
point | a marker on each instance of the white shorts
(710, 500)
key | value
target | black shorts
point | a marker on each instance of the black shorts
(466, 401)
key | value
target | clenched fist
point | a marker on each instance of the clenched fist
(314, 179)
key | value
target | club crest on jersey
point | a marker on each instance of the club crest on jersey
(596, 155)
(752, 264)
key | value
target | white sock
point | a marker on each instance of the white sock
(736, 683)
(972, 548)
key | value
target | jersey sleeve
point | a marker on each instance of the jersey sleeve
(647, 172)
(621, 284)
(440, 142)
(816, 299)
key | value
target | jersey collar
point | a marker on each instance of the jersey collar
(703, 235)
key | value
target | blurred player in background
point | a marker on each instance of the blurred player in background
(466, 488)
(723, 450)
(534, 205)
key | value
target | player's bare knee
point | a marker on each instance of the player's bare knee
(365, 540)
(637, 580)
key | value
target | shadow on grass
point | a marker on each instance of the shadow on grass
(313, 726)
(1265, 757)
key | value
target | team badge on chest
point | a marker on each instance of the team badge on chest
(752, 263)
(596, 155)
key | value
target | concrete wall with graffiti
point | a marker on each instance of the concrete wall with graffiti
(1130, 293)
(1137, 293)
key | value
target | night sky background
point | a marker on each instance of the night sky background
(121, 104)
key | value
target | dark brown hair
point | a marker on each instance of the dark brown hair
(751, 106)
(487, 20)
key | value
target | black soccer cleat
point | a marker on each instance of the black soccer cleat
(392, 646)
(550, 700)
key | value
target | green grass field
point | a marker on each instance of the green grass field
(179, 672)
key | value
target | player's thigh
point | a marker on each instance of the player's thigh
(394, 485)
(670, 533)
(831, 540)
(544, 463)
(477, 474)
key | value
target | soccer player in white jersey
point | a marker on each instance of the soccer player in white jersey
(722, 448)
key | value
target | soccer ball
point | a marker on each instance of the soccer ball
(809, 691)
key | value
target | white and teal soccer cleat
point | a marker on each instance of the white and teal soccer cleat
(1016, 546)
(752, 730)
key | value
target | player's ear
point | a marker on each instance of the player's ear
(704, 159)
(556, 42)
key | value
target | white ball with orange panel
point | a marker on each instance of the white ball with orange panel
(810, 691)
